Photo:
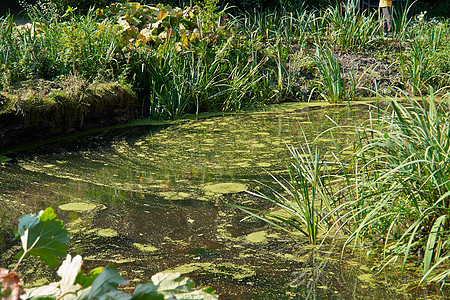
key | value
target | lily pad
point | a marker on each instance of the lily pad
(78, 206)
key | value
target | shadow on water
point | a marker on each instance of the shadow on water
(150, 199)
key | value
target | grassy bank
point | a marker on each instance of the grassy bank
(201, 59)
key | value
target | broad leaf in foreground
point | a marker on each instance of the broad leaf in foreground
(42, 235)
(105, 285)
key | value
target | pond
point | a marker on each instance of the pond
(156, 198)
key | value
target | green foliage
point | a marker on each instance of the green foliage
(303, 198)
(42, 235)
(401, 175)
(426, 63)
(105, 285)
(331, 82)
(348, 29)
(393, 193)
(152, 26)
(190, 59)
(48, 49)
(57, 8)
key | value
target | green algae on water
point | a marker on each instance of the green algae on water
(107, 232)
(224, 188)
(145, 248)
(224, 269)
(259, 236)
(78, 206)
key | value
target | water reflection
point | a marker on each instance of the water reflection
(153, 212)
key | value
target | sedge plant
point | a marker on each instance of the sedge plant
(402, 178)
(302, 199)
(331, 83)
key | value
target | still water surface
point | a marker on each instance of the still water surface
(154, 198)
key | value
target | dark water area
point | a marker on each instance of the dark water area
(156, 198)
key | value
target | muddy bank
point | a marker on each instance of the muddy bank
(39, 109)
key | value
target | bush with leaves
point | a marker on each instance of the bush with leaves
(152, 26)
(42, 235)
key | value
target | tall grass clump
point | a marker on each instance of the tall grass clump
(331, 82)
(425, 61)
(302, 199)
(402, 179)
(350, 30)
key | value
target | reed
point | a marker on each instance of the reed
(350, 30)
(304, 198)
(404, 184)
(331, 83)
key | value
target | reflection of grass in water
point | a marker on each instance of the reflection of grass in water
(393, 193)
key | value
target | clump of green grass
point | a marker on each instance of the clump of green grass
(304, 197)
(331, 83)
(349, 29)
(404, 182)
(426, 63)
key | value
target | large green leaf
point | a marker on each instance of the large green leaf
(87, 280)
(147, 291)
(42, 235)
(172, 285)
(105, 285)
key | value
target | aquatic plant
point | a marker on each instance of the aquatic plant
(304, 197)
(43, 235)
(402, 181)
(331, 83)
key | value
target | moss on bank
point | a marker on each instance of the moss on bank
(39, 109)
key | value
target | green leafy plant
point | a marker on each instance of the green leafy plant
(42, 235)
(152, 26)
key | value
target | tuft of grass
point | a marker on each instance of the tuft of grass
(403, 183)
(350, 30)
(331, 82)
(304, 197)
